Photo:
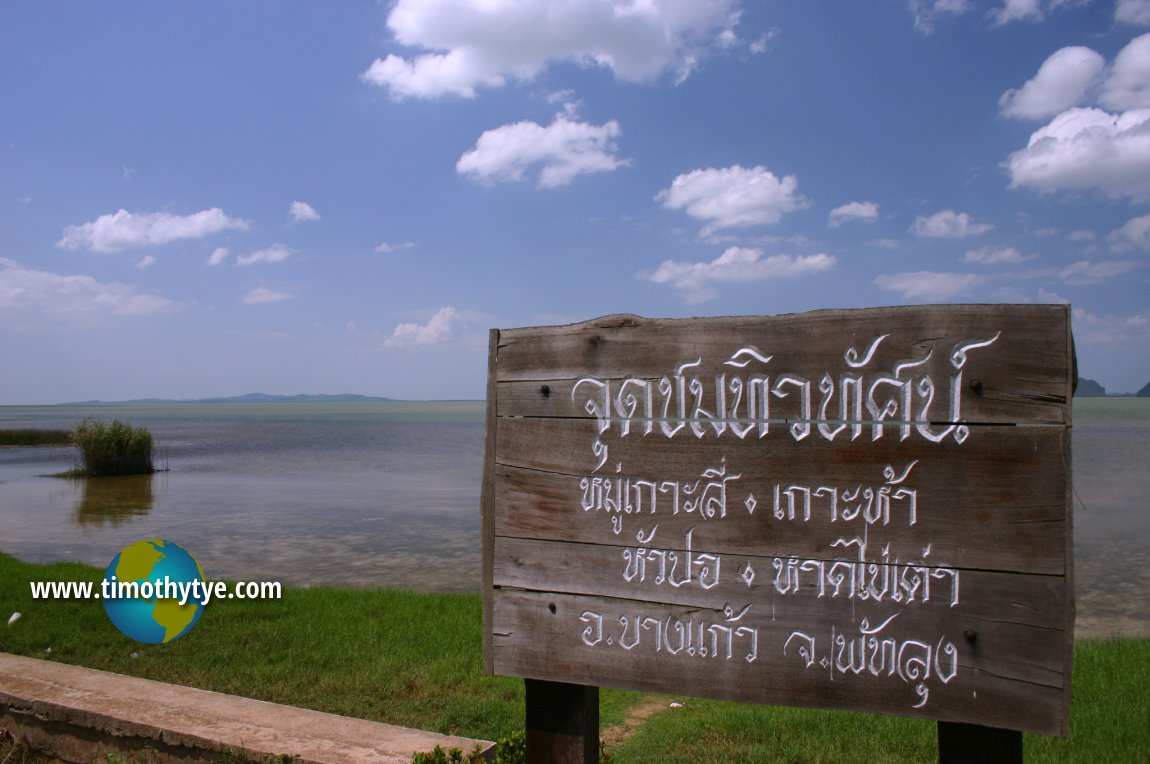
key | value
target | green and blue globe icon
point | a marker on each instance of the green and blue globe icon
(159, 568)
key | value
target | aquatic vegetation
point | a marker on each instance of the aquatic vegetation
(35, 437)
(112, 449)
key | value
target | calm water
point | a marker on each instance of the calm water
(388, 495)
(381, 494)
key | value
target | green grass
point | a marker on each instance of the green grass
(387, 655)
(33, 437)
(1109, 722)
(416, 660)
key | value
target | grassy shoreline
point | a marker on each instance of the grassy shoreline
(29, 436)
(415, 660)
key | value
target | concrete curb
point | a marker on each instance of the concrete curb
(80, 714)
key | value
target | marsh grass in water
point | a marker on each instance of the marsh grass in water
(416, 660)
(114, 449)
(30, 436)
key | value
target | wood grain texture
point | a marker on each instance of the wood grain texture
(653, 472)
(1001, 499)
(1023, 375)
(488, 503)
(532, 641)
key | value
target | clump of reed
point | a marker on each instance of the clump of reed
(112, 449)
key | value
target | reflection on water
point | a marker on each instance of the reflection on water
(344, 494)
(113, 500)
(388, 495)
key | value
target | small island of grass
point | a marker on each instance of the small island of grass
(108, 450)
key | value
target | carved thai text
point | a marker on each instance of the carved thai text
(749, 396)
(885, 579)
(669, 566)
(619, 496)
(720, 636)
(865, 650)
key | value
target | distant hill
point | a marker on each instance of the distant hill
(1088, 388)
(264, 398)
(1144, 392)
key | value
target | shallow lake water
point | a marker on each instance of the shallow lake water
(349, 494)
(388, 495)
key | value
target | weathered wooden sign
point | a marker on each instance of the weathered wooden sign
(863, 509)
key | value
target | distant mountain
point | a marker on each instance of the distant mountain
(264, 398)
(1088, 388)
(1144, 392)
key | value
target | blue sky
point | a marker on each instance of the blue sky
(213, 198)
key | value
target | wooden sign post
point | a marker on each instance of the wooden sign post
(852, 509)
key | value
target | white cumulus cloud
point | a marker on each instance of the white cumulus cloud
(261, 295)
(300, 212)
(467, 44)
(1032, 11)
(1111, 329)
(33, 292)
(1135, 232)
(996, 256)
(1087, 148)
(1127, 85)
(388, 248)
(123, 230)
(733, 196)
(563, 150)
(928, 13)
(928, 285)
(853, 211)
(1062, 82)
(948, 224)
(219, 256)
(1086, 272)
(1018, 10)
(1072, 75)
(443, 327)
(735, 265)
(1133, 12)
(276, 253)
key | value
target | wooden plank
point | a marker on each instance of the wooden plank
(569, 447)
(562, 723)
(712, 581)
(558, 637)
(987, 604)
(1021, 375)
(487, 500)
(1001, 496)
(1068, 604)
(973, 744)
(990, 402)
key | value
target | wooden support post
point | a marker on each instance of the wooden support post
(969, 743)
(562, 723)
